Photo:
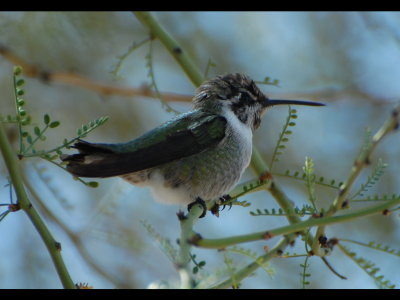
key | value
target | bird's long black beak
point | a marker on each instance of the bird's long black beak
(272, 102)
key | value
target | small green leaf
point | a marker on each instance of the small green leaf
(36, 130)
(21, 111)
(93, 184)
(20, 82)
(46, 119)
(17, 70)
(54, 124)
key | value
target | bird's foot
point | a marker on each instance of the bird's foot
(202, 203)
(222, 201)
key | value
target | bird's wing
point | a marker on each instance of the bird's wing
(181, 137)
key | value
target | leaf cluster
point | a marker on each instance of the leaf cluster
(197, 265)
(319, 180)
(369, 267)
(305, 273)
(372, 179)
(31, 133)
(300, 212)
(283, 136)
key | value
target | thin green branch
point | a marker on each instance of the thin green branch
(132, 48)
(171, 45)
(187, 222)
(38, 137)
(52, 245)
(292, 228)
(77, 238)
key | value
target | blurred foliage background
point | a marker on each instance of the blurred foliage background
(349, 60)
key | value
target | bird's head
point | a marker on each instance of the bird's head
(238, 93)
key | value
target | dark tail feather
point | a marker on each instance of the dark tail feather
(89, 161)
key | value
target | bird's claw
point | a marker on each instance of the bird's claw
(222, 201)
(203, 205)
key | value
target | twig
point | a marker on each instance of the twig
(74, 79)
(172, 46)
(52, 245)
(187, 222)
(77, 238)
(292, 228)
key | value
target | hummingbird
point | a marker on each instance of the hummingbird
(195, 157)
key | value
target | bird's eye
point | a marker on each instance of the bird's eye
(245, 98)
